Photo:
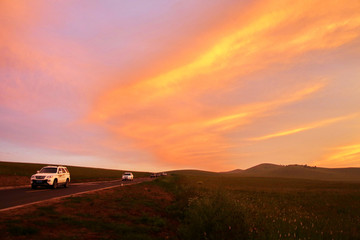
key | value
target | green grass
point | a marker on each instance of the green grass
(77, 173)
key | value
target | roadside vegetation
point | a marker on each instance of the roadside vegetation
(129, 212)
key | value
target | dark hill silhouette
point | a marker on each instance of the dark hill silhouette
(263, 168)
(234, 171)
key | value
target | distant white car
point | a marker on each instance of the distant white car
(127, 176)
(51, 176)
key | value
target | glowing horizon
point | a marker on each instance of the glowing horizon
(159, 85)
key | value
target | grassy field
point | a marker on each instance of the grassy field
(279, 208)
(197, 205)
(19, 173)
(182, 206)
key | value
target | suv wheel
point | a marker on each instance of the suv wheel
(55, 184)
(66, 183)
(33, 186)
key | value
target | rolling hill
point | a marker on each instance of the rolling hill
(300, 171)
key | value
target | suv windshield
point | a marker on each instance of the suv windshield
(48, 170)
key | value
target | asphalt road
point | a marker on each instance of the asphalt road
(17, 197)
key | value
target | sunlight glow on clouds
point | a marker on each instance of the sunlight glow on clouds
(342, 156)
(156, 85)
(303, 128)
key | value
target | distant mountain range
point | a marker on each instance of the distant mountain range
(299, 171)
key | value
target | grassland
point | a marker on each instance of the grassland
(198, 205)
(280, 208)
(183, 206)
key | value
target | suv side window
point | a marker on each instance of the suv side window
(66, 170)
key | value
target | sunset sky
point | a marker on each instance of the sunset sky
(154, 85)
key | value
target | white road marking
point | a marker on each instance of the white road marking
(32, 191)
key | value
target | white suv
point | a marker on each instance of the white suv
(127, 176)
(51, 176)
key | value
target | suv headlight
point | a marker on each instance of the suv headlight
(49, 176)
(33, 176)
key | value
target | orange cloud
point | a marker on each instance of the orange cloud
(177, 110)
(344, 156)
(244, 113)
(304, 128)
(241, 52)
(180, 136)
(163, 114)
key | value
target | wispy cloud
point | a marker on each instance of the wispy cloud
(181, 135)
(165, 114)
(304, 128)
(343, 156)
(241, 52)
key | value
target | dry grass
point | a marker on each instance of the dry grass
(6, 181)
(169, 207)
(135, 212)
(279, 208)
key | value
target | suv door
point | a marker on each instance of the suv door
(66, 174)
(61, 175)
